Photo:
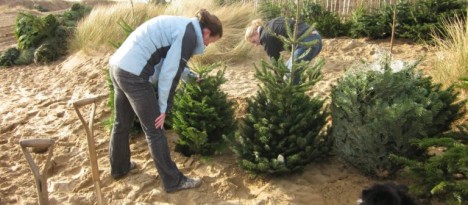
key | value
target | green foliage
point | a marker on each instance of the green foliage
(227, 2)
(46, 53)
(70, 18)
(373, 25)
(284, 129)
(327, 23)
(463, 83)
(25, 57)
(44, 38)
(8, 57)
(442, 174)
(426, 16)
(376, 112)
(415, 21)
(30, 31)
(203, 116)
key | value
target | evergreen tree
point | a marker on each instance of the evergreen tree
(281, 132)
(203, 116)
(442, 174)
(284, 129)
(376, 113)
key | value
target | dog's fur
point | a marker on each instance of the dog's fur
(386, 194)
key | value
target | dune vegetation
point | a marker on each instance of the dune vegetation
(114, 22)
(453, 54)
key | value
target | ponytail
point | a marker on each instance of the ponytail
(252, 28)
(210, 22)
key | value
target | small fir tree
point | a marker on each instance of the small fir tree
(443, 173)
(376, 112)
(202, 114)
(281, 132)
(284, 129)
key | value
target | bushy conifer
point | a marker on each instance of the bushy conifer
(284, 129)
(377, 112)
(202, 115)
(443, 171)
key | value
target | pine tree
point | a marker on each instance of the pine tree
(202, 114)
(284, 129)
(377, 112)
(281, 132)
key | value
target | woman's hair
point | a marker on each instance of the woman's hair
(252, 28)
(210, 22)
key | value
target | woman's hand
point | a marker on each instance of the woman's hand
(159, 122)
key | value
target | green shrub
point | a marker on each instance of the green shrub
(375, 25)
(25, 57)
(416, 21)
(202, 115)
(76, 12)
(45, 36)
(327, 23)
(30, 31)
(8, 57)
(443, 172)
(46, 53)
(425, 17)
(376, 112)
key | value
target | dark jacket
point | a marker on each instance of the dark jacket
(272, 45)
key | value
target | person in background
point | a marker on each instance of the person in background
(259, 33)
(155, 52)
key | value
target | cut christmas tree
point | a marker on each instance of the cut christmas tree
(202, 114)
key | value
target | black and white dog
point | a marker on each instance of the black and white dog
(386, 194)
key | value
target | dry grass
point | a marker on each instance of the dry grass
(231, 47)
(453, 61)
(100, 28)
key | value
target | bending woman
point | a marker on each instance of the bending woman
(259, 33)
(156, 52)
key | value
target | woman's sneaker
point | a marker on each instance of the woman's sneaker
(189, 183)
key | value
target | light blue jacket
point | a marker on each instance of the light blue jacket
(158, 50)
